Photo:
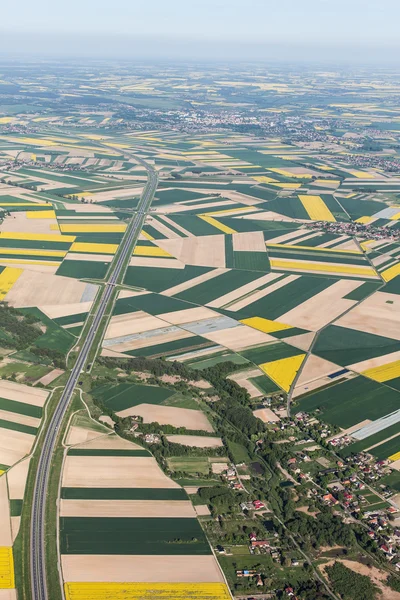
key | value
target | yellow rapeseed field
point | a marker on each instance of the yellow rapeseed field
(96, 248)
(362, 175)
(150, 251)
(6, 568)
(265, 325)
(314, 248)
(147, 235)
(364, 220)
(7, 279)
(289, 186)
(316, 208)
(33, 252)
(283, 371)
(23, 203)
(41, 214)
(146, 591)
(37, 237)
(391, 272)
(92, 228)
(289, 174)
(395, 217)
(216, 224)
(297, 265)
(395, 456)
(384, 372)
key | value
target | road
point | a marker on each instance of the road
(37, 539)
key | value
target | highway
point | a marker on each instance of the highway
(38, 515)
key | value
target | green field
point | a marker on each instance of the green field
(124, 395)
(120, 535)
(343, 403)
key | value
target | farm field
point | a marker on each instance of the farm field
(267, 268)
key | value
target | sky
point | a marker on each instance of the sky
(204, 29)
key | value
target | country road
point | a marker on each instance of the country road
(37, 538)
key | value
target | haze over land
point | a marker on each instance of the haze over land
(344, 31)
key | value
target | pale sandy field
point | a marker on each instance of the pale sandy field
(161, 338)
(375, 362)
(314, 368)
(323, 307)
(202, 510)
(375, 315)
(180, 317)
(112, 354)
(22, 393)
(36, 268)
(5, 517)
(114, 471)
(154, 262)
(104, 258)
(187, 285)
(249, 242)
(172, 569)
(109, 442)
(207, 251)
(127, 508)
(302, 341)
(242, 379)
(9, 594)
(266, 415)
(47, 289)
(242, 291)
(237, 338)
(219, 467)
(14, 445)
(132, 323)
(54, 311)
(112, 194)
(19, 418)
(80, 435)
(169, 415)
(269, 215)
(46, 379)
(18, 221)
(16, 478)
(197, 441)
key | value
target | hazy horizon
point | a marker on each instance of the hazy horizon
(353, 31)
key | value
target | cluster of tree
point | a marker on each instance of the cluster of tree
(171, 449)
(311, 589)
(221, 500)
(370, 145)
(57, 358)
(156, 366)
(20, 330)
(349, 584)
(327, 530)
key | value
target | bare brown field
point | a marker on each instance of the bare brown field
(323, 307)
(127, 508)
(114, 471)
(266, 415)
(197, 441)
(170, 569)
(169, 415)
(379, 314)
(5, 517)
(207, 251)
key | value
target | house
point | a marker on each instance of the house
(253, 536)
(260, 544)
(289, 591)
(258, 504)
